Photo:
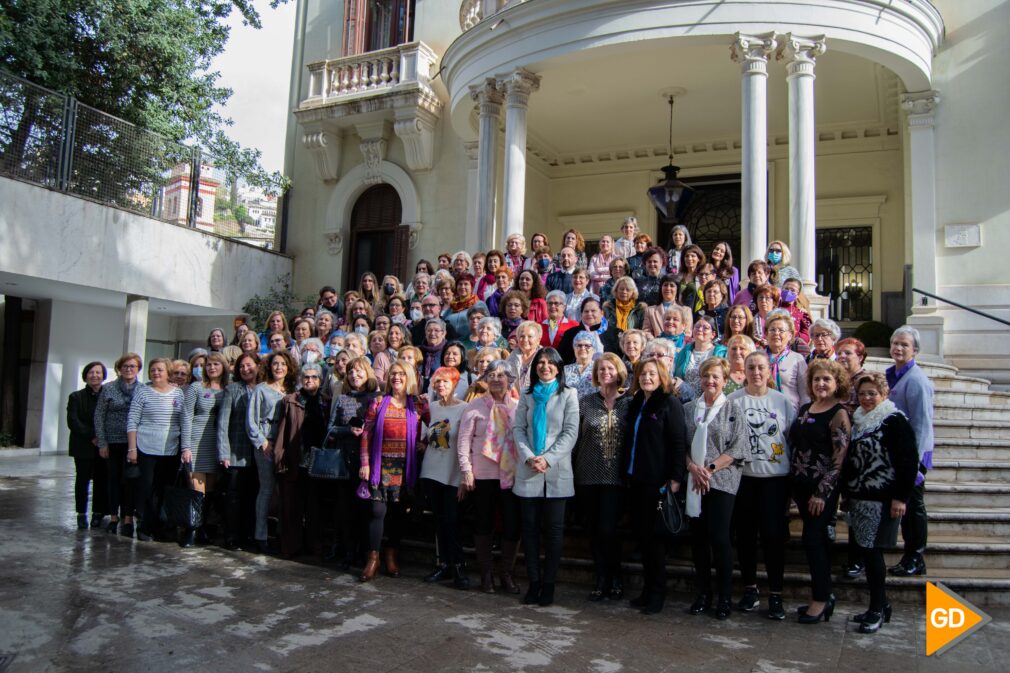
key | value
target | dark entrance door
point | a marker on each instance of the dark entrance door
(713, 215)
(376, 245)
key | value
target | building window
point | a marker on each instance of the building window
(199, 206)
(370, 25)
(845, 272)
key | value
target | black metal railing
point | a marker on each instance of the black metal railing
(53, 140)
(959, 305)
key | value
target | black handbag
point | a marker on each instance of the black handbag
(182, 506)
(329, 463)
(671, 514)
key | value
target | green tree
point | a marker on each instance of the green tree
(146, 61)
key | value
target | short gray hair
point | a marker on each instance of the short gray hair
(558, 293)
(360, 338)
(434, 321)
(313, 367)
(315, 342)
(910, 331)
(495, 324)
(592, 338)
(502, 366)
(321, 312)
(665, 345)
(827, 325)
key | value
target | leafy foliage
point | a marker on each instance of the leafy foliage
(146, 61)
(874, 334)
(280, 298)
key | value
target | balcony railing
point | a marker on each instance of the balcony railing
(472, 12)
(370, 73)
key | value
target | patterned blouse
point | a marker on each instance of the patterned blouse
(819, 441)
(601, 431)
(394, 446)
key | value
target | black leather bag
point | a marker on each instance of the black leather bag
(329, 463)
(671, 514)
(182, 506)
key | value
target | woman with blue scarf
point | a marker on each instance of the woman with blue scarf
(546, 427)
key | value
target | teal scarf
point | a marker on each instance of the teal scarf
(541, 394)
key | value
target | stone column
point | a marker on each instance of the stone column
(800, 54)
(920, 209)
(473, 238)
(135, 329)
(489, 100)
(752, 52)
(518, 86)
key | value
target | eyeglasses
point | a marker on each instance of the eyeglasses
(310, 377)
(869, 393)
(702, 328)
(555, 303)
(822, 335)
(777, 330)
(129, 366)
(583, 345)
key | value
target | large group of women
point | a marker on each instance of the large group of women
(516, 383)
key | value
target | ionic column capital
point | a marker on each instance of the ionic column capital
(518, 86)
(800, 54)
(919, 107)
(488, 98)
(752, 52)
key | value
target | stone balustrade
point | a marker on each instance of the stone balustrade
(371, 72)
(472, 12)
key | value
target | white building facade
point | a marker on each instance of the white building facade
(867, 134)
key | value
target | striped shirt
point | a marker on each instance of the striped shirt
(158, 420)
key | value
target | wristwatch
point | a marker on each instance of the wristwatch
(711, 467)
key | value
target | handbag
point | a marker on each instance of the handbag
(671, 516)
(329, 463)
(182, 506)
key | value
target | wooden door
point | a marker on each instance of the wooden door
(375, 243)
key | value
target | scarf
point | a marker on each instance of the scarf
(457, 305)
(499, 442)
(541, 395)
(508, 325)
(599, 329)
(775, 361)
(864, 423)
(623, 311)
(375, 450)
(677, 340)
(703, 415)
(432, 357)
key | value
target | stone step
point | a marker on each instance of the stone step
(974, 412)
(967, 470)
(950, 448)
(991, 522)
(974, 495)
(971, 429)
(960, 384)
(972, 399)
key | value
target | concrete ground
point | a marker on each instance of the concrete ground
(89, 601)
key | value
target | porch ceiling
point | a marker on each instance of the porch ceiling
(609, 99)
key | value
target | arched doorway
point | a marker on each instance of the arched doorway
(713, 215)
(378, 238)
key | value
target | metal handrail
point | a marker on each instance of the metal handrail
(962, 306)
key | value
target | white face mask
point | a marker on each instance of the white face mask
(361, 330)
(415, 314)
(310, 356)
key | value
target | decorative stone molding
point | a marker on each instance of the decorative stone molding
(919, 107)
(472, 149)
(800, 53)
(518, 86)
(334, 242)
(488, 98)
(416, 128)
(324, 146)
(373, 148)
(752, 52)
(415, 234)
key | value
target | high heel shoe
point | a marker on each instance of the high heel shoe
(863, 616)
(616, 590)
(825, 613)
(872, 622)
(702, 603)
(532, 594)
(600, 592)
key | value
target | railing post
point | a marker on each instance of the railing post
(194, 188)
(65, 161)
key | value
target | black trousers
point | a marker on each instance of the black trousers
(91, 474)
(652, 544)
(876, 576)
(711, 543)
(156, 472)
(389, 518)
(914, 525)
(351, 518)
(547, 514)
(602, 507)
(122, 491)
(488, 497)
(817, 544)
(294, 492)
(442, 500)
(762, 508)
(240, 487)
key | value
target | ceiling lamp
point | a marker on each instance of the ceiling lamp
(670, 196)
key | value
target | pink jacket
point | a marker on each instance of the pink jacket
(470, 439)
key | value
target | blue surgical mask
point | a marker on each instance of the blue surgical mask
(774, 256)
(361, 329)
(198, 373)
(544, 263)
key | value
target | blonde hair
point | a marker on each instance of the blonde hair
(408, 372)
(622, 370)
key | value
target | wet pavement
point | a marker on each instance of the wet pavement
(90, 601)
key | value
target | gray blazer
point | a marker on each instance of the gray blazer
(562, 431)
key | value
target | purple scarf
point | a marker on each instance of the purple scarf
(375, 450)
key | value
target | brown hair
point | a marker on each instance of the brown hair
(126, 357)
(664, 375)
(290, 378)
(877, 380)
(622, 370)
(837, 372)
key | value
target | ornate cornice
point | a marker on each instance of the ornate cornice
(325, 147)
(752, 52)
(800, 53)
(518, 85)
(488, 98)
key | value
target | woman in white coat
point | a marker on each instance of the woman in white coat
(546, 427)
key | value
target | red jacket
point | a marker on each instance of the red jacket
(563, 327)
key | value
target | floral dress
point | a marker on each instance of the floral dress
(393, 461)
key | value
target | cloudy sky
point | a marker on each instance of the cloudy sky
(256, 65)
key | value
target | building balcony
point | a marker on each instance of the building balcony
(371, 94)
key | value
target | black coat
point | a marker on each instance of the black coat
(417, 331)
(81, 421)
(661, 448)
(566, 348)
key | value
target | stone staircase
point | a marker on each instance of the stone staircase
(967, 500)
